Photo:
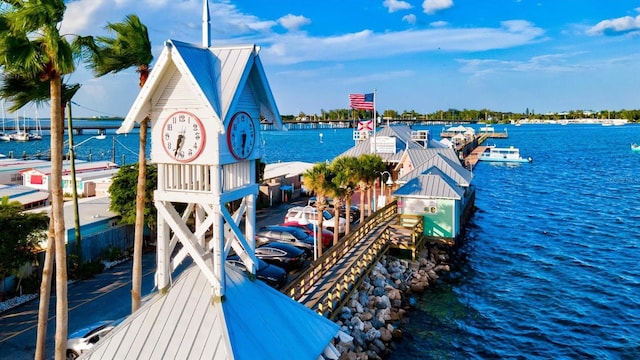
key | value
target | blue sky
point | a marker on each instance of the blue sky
(428, 55)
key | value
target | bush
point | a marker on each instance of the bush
(79, 271)
(113, 253)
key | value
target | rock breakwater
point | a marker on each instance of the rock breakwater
(372, 318)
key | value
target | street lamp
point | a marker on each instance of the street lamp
(305, 221)
(388, 182)
(74, 186)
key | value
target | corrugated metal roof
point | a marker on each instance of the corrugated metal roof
(217, 73)
(448, 166)
(402, 133)
(253, 322)
(90, 210)
(420, 156)
(79, 167)
(435, 185)
(286, 169)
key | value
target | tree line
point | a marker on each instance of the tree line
(453, 115)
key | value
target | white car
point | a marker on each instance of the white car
(297, 213)
(83, 339)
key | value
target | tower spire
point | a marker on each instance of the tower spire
(206, 25)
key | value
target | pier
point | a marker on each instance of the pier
(325, 287)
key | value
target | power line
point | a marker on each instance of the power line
(94, 110)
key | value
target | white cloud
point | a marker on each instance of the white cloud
(293, 22)
(438, 24)
(411, 19)
(432, 6)
(297, 48)
(618, 25)
(80, 16)
(396, 5)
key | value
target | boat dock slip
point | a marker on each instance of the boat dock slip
(495, 135)
(471, 160)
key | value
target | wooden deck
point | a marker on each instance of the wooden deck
(471, 160)
(326, 285)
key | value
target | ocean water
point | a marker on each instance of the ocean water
(551, 258)
(550, 261)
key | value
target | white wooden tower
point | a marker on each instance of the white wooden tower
(204, 105)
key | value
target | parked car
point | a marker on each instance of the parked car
(83, 339)
(327, 235)
(284, 255)
(286, 234)
(298, 213)
(273, 275)
(354, 213)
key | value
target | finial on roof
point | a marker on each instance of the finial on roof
(206, 25)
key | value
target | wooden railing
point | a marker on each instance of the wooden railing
(360, 260)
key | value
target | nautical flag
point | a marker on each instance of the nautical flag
(365, 125)
(361, 101)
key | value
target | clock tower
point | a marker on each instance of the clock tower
(205, 131)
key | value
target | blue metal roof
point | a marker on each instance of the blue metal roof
(253, 321)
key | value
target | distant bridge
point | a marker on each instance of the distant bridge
(80, 128)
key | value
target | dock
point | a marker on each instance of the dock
(471, 160)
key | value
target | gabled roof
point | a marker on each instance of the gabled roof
(420, 156)
(435, 185)
(216, 74)
(286, 169)
(402, 133)
(452, 168)
(254, 321)
(80, 167)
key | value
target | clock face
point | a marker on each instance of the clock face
(241, 135)
(183, 136)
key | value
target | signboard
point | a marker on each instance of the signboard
(418, 206)
(384, 145)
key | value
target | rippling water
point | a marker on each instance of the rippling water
(551, 256)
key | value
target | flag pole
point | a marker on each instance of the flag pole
(374, 121)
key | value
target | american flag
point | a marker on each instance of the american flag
(361, 101)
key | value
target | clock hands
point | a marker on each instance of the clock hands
(179, 142)
(244, 141)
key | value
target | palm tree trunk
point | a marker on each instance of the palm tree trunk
(45, 293)
(336, 221)
(347, 208)
(369, 207)
(319, 231)
(361, 204)
(136, 281)
(57, 211)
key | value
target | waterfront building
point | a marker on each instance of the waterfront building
(39, 178)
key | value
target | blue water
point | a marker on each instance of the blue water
(551, 256)
(550, 267)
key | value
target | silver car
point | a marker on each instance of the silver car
(83, 339)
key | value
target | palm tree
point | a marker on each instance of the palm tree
(31, 46)
(107, 55)
(370, 166)
(318, 180)
(346, 170)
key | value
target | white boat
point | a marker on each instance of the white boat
(635, 147)
(38, 134)
(496, 154)
(20, 135)
(3, 135)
